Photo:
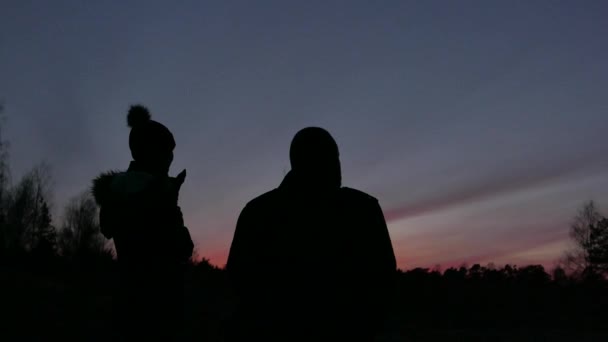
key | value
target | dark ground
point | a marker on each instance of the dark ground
(62, 302)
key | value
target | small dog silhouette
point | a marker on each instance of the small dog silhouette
(175, 184)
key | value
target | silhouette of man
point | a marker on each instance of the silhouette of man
(311, 260)
(139, 211)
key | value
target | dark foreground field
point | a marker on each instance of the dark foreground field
(61, 302)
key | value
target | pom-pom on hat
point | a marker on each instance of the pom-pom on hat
(148, 137)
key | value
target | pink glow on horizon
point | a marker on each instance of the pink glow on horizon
(545, 252)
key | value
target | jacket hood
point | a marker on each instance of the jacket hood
(304, 184)
(102, 187)
(114, 185)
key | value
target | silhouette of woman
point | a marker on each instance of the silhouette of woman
(139, 211)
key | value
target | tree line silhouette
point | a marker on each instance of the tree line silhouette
(27, 229)
(56, 280)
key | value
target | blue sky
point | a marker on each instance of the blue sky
(479, 125)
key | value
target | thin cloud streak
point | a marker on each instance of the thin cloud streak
(512, 182)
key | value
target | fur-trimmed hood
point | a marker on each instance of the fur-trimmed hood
(115, 185)
(102, 187)
(134, 201)
(114, 190)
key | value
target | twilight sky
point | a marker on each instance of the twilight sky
(479, 125)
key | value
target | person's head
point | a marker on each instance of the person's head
(314, 155)
(151, 143)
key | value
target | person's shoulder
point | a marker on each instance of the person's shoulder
(266, 199)
(357, 195)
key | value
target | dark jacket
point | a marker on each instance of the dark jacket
(311, 261)
(139, 212)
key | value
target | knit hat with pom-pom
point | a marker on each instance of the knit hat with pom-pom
(148, 138)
